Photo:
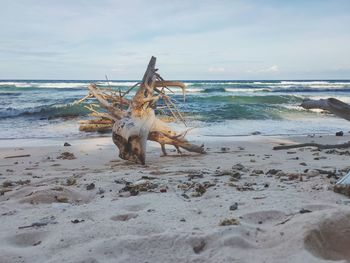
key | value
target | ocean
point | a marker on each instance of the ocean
(44, 108)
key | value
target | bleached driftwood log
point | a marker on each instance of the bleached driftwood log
(332, 105)
(134, 120)
(311, 144)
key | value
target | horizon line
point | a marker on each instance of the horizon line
(311, 79)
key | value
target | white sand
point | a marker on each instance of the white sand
(168, 226)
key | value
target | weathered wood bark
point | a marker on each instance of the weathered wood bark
(332, 105)
(134, 119)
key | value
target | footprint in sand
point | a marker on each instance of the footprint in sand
(53, 195)
(263, 217)
(136, 207)
(330, 238)
(28, 239)
(124, 217)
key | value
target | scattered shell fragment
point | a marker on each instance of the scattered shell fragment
(66, 156)
(229, 222)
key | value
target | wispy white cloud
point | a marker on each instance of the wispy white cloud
(271, 69)
(217, 69)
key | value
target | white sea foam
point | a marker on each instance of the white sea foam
(117, 83)
(305, 82)
(188, 90)
(33, 84)
(58, 85)
(16, 84)
(248, 89)
(215, 83)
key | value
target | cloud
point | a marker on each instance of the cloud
(217, 69)
(272, 69)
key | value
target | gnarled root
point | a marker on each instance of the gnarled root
(134, 119)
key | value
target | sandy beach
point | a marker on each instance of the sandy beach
(240, 202)
(165, 131)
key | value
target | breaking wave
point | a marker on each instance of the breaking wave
(45, 111)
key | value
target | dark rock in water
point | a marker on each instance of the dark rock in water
(258, 171)
(234, 207)
(256, 133)
(339, 133)
(66, 144)
(90, 186)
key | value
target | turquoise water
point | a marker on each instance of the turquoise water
(43, 108)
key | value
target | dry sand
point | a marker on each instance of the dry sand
(194, 208)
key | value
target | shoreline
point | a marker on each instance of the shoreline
(51, 141)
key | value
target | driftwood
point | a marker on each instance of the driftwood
(318, 146)
(96, 125)
(133, 121)
(332, 105)
(17, 156)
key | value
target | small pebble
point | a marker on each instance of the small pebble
(234, 207)
(90, 186)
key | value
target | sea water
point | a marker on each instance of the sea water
(45, 109)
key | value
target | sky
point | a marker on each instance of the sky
(192, 39)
